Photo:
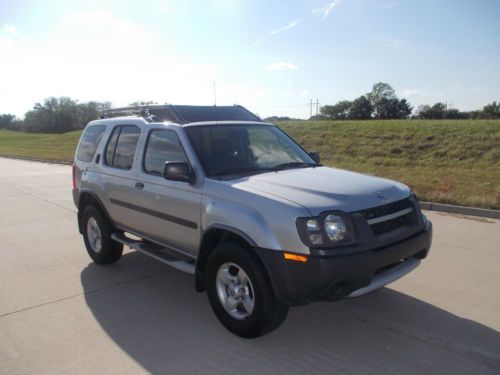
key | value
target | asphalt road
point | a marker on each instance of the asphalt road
(60, 313)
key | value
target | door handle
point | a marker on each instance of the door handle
(139, 185)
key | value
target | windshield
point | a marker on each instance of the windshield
(228, 150)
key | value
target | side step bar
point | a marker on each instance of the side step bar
(387, 277)
(156, 252)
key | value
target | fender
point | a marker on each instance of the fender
(96, 199)
(231, 229)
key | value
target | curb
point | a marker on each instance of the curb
(27, 158)
(471, 211)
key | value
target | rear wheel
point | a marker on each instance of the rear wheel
(97, 237)
(240, 293)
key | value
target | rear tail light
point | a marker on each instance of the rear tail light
(73, 176)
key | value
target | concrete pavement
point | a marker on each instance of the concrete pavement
(60, 313)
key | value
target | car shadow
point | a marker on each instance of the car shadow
(152, 312)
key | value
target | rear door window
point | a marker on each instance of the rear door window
(122, 145)
(90, 141)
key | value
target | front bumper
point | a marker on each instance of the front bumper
(336, 276)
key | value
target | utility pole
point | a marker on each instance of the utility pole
(317, 106)
(311, 106)
(215, 95)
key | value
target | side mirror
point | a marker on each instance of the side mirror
(315, 156)
(178, 171)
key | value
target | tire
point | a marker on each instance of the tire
(234, 272)
(97, 237)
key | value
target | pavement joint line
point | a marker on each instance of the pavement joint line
(75, 295)
(46, 200)
(450, 346)
(32, 158)
(435, 341)
(466, 248)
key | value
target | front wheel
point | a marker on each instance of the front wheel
(240, 293)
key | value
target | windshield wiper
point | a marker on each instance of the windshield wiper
(257, 170)
(243, 170)
(294, 164)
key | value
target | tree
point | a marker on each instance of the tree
(404, 109)
(491, 110)
(361, 109)
(339, 111)
(455, 114)
(60, 115)
(379, 96)
(393, 108)
(7, 121)
(437, 111)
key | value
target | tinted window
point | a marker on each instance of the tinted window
(121, 147)
(89, 143)
(227, 149)
(110, 149)
(162, 146)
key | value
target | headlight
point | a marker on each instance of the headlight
(335, 228)
(329, 229)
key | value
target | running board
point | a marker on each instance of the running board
(156, 252)
(387, 277)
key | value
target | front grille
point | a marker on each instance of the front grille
(385, 210)
(387, 226)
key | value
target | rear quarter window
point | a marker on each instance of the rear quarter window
(91, 138)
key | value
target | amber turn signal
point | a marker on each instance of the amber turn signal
(295, 257)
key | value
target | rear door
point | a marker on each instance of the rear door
(119, 173)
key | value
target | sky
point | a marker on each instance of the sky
(272, 57)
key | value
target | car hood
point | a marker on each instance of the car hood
(322, 188)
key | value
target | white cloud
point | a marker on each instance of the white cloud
(281, 65)
(411, 92)
(9, 29)
(390, 4)
(389, 41)
(162, 7)
(327, 9)
(396, 42)
(100, 56)
(289, 26)
(304, 93)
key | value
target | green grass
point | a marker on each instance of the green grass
(456, 162)
(59, 147)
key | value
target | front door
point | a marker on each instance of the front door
(170, 209)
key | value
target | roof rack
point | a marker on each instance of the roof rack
(183, 114)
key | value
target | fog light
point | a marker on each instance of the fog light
(316, 239)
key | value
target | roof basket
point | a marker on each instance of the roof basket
(149, 112)
(183, 114)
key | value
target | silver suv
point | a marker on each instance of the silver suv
(218, 193)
